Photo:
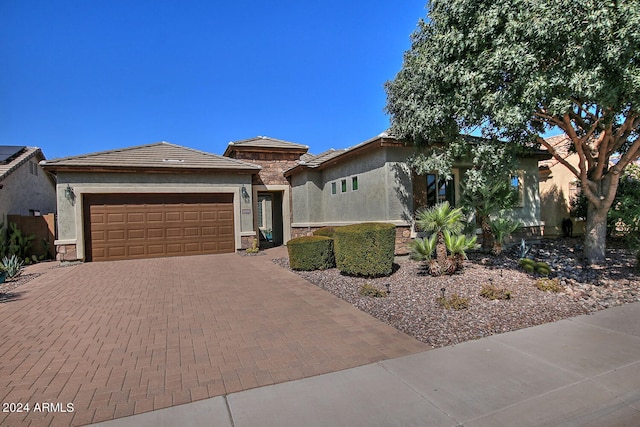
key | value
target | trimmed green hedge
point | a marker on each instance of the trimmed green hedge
(329, 231)
(365, 249)
(311, 253)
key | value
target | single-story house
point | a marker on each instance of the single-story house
(25, 188)
(164, 200)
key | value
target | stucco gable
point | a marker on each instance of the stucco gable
(12, 164)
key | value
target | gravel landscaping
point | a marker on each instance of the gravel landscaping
(412, 305)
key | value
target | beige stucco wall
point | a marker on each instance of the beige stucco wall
(23, 191)
(555, 198)
(70, 215)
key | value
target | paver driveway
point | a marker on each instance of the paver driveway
(121, 338)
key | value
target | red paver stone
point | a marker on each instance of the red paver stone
(127, 337)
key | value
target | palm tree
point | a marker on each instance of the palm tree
(488, 200)
(458, 245)
(422, 249)
(501, 228)
(438, 219)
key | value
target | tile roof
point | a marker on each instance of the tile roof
(266, 142)
(161, 155)
(316, 160)
(561, 143)
(28, 153)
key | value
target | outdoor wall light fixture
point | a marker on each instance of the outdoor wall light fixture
(69, 194)
(245, 195)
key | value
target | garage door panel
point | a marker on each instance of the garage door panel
(173, 216)
(136, 233)
(225, 215)
(115, 218)
(191, 216)
(155, 233)
(122, 226)
(137, 251)
(115, 235)
(135, 217)
(155, 217)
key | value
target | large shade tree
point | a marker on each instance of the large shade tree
(517, 69)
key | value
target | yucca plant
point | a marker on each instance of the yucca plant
(501, 228)
(438, 219)
(458, 245)
(12, 266)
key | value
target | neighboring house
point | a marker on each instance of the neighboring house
(25, 188)
(164, 200)
(558, 186)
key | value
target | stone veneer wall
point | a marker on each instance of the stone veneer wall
(273, 165)
(403, 237)
(66, 253)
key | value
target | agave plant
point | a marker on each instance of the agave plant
(12, 266)
(438, 219)
(501, 228)
(458, 245)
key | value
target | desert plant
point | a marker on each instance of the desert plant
(365, 249)
(501, 228)
(422, 249)
(492, 292)
(524, 249)
(254, 249)
(458, 245)
(454, 302)
(531, 266)
(549, 285)
(438, 219)
(12, 266)
(368, 290)
(311, 253)
(19, 244)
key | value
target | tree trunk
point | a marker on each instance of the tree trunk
(487, 236)
(595, 237)
(441, 250)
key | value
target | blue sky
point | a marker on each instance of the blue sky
(90, 75)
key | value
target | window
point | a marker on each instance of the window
(344, 185)
(354, 183)
(517, 184)
(333, 188)
(440, 190)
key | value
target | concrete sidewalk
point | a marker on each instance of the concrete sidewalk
(583, 371)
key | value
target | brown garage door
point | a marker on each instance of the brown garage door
(133, 226)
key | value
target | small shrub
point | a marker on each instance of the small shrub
(454, 302)
(325, 231)
(12, 266)
(368, 290)
(254, 249)
(311, 253)
(492, 292)
(549, 285)
(365, 249)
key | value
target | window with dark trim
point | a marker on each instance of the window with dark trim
(344, 185)
(440, 190)
(354, 183)
(333, 188)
